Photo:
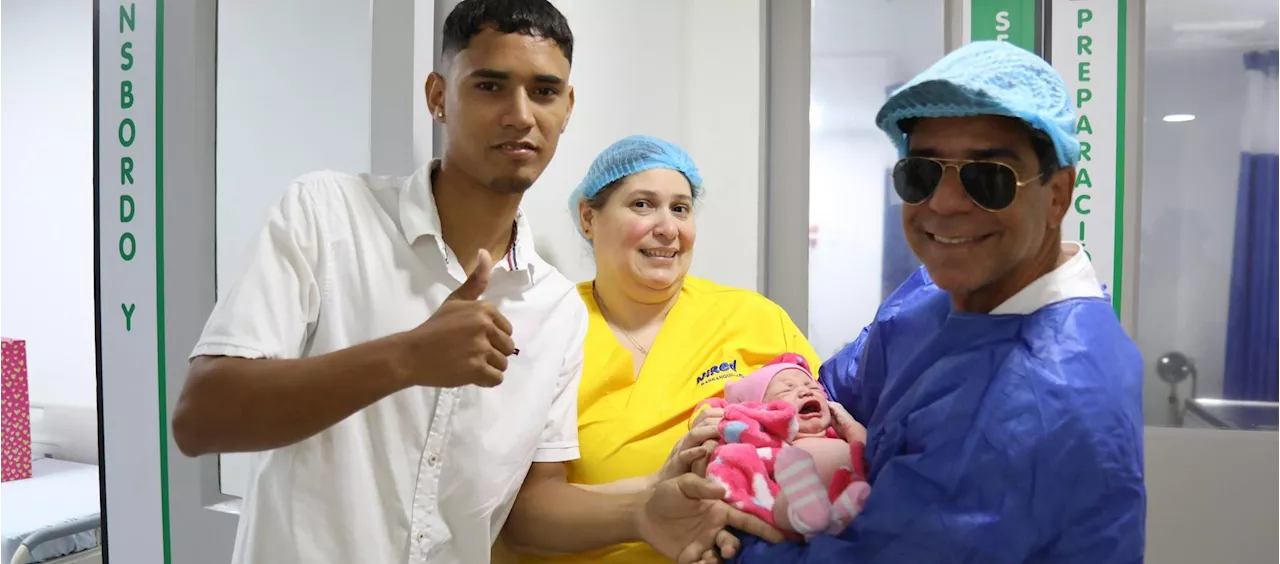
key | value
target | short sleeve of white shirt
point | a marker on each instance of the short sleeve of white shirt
(272, 308)
(560, 436)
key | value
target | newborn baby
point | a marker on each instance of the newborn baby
(783, 454)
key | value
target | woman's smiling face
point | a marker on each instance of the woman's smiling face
(644, 231)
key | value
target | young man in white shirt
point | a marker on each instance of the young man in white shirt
(400, 355)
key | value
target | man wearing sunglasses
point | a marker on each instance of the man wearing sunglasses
(1002, 397)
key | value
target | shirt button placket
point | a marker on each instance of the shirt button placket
(427, 519)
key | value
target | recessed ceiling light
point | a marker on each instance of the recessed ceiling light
(1219, 26)
(1178, 118)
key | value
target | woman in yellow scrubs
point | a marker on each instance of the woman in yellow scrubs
(659, 341)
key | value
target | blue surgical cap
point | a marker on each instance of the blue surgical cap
(629, 156)
(988, 78)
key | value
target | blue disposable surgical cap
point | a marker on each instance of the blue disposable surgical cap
(629, 156)
(988, 78)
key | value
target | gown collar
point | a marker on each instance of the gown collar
(1074, 278)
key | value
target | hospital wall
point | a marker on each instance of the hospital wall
(328, 88)
(266, 79)
(294, 94)
(273, 125)
(1183, 276)
(698, 83)
(1188, 214)
(46, 222)
(700, 89)
(860, 50)
(266, 108)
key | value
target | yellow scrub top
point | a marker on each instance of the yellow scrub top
(627, 425)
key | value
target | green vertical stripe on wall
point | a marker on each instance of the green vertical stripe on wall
(161, 372)
(1122, 58)
(1009, 20)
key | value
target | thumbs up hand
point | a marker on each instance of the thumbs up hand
(464, 342)
(478, 282)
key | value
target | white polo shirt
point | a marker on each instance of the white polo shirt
(427, 474)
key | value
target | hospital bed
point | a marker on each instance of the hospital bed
(53, 517)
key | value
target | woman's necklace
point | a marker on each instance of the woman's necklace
(605, 312)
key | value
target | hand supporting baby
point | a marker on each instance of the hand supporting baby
(691, 454)
(706, 423)
(783, 452)
(802, 484)
(845, 425)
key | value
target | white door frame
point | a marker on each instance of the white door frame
(134, 429)
(190, 520)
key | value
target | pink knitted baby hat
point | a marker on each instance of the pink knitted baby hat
(754, 385)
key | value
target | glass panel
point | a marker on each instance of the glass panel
(860, 52)
(275, 124)
(1207, 285)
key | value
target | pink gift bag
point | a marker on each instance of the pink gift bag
(15, 413)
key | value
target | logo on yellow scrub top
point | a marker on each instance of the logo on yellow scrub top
(719, 372)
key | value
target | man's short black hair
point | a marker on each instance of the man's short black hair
(535, 18)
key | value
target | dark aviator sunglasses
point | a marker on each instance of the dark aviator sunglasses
(990, 185)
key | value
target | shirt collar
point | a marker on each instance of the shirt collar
(418, 213)
(420, 217)
(1074, 278)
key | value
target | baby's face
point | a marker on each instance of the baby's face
(801, 390)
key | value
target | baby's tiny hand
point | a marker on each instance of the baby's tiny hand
(848, 428)
(709, 417)
(691, 454)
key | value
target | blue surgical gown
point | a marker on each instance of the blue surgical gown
(991, 438)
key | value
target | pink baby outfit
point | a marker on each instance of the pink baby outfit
(751, 435)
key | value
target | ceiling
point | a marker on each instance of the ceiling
(1212, 24)
(849, 27)
(861, 47)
